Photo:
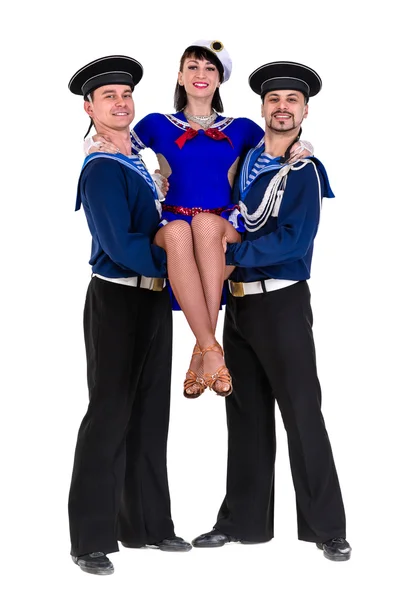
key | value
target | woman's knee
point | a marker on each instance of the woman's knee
(178, 227)
(207, 225)
(173, 231)
(176, 234)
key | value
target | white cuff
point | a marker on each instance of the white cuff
(158, 180)
(89, 143)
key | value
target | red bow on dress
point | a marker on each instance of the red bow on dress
(190, 133)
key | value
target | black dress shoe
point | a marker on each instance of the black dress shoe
(337, 549)
(126, 545)
(95, 563)
(173, 544)
(213, 539)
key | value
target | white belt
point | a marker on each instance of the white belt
(155, 284)
(240, 289)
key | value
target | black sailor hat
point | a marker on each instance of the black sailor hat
(107, 70)
(284, 75)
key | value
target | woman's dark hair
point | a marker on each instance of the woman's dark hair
(180, 96)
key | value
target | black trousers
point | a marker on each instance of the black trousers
(119, 487)
(270, 352)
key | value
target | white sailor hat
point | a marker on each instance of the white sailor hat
(107, 70)
(284, 75)
(217, 48)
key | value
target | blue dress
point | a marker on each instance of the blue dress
(200, 169)
(200, 166)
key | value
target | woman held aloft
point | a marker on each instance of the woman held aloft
(198, 150)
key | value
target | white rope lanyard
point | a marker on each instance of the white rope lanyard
(274, 192)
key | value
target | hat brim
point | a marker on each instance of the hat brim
(285, 74)
(108, 65)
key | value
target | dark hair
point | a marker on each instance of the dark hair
(180, 96)
(88, 98)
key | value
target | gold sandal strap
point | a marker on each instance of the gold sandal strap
(214, 348)
(191, 379)
(196, 350)
(222, 374)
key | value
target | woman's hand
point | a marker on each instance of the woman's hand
(224, 243)
(300, 149)
(99, 143)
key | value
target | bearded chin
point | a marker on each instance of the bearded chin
(283, 128)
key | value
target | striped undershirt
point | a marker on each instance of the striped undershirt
(263, 161)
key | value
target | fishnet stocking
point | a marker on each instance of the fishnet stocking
(177, 240)
(208, 233)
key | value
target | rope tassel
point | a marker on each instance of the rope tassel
(274, 191)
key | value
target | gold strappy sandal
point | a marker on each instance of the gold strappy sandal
(222, 374)
(193, 379)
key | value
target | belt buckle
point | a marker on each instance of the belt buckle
(237, 289)
(158, 284)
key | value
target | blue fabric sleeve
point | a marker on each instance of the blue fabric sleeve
(143, 132)
(256, 133)
(297, 225)
(105, 191)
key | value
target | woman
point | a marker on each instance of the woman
(198, 151)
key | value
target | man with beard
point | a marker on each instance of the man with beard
(268, 336)
(119, 488)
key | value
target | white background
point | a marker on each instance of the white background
(45, 246)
